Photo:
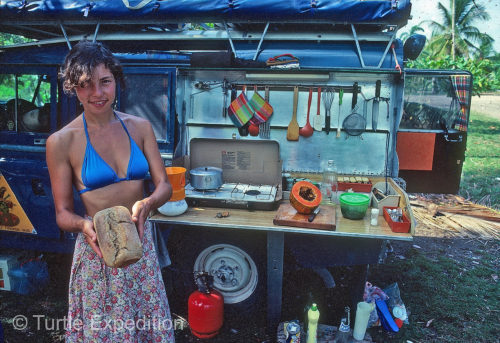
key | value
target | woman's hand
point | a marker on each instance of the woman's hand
(140, 212)
(91, 236)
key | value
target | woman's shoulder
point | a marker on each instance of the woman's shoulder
(66, 135)
(133, 121)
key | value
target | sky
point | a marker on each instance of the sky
(428, 10)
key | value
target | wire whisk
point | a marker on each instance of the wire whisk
(328, 96)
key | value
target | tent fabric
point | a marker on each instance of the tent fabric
(340, 11)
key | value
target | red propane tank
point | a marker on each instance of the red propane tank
(205, 308)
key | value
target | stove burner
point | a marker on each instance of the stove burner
(232, 195)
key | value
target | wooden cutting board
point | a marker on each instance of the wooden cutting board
(287, 215)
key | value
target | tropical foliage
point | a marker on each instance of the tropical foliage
(456, 43)
(485, 73)
(10, 39)
(456, 34)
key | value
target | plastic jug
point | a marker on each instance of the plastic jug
(177, 204)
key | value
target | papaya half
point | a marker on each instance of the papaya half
(305, 197)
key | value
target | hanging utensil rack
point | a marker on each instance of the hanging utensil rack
(289, 86)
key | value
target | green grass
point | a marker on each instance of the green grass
(453, 300)
(481, 171)
(448, 301)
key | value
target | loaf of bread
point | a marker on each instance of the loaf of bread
(117, 237)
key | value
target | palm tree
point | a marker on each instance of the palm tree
(457, 33)
(486, 50)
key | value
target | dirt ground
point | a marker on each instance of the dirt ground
(461, 245)
(488, 104)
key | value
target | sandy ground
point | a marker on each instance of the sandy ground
(487, 104)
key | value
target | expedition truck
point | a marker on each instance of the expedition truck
(184, 62)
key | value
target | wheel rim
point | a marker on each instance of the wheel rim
(234, 271)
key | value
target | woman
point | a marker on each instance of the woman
(106, 155)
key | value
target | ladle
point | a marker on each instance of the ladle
(307, 130)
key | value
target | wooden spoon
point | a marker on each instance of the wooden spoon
(307, 130)
(292, 133)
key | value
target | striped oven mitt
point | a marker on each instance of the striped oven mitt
(262, 109)
(240, 110)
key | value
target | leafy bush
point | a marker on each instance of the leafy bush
(10, 39)
(486, 74)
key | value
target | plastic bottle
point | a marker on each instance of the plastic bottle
(310, 301)
(329, 184)
(312, 325)
(362, 315)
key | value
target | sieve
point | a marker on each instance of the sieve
(354, 124)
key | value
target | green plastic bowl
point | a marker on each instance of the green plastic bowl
(354, 205)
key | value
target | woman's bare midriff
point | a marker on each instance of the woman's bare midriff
(124, 193)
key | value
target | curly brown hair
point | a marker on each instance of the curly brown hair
(81, 61)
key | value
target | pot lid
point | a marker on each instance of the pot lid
(202, 171)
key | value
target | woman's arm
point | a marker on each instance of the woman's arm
(61, 174)
(163, 189)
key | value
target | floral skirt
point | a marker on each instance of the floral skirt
(117, 304)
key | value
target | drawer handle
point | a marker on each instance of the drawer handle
(39, 141)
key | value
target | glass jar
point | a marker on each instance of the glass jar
(329, 185)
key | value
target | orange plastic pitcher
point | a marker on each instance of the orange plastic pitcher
(177, 178)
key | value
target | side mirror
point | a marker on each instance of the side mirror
(413, 46)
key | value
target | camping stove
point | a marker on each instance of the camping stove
(234, 195)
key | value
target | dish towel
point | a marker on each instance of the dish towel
(240, 110)
(262, 109)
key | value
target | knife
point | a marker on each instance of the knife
(313, 215)
(224, 95)
(375, 104)
(354, 95)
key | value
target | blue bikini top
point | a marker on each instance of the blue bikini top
(96, 173)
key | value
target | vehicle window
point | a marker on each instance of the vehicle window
(146, 96)
(433, 100)
(24, 103)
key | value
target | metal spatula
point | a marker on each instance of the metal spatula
(318, 119)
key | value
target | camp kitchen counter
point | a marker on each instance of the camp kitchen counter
(243, 219)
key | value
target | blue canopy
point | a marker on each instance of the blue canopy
(141, 25)
(328, 11)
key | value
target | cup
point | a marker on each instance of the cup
(363, 311)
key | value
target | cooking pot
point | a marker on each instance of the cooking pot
(203, 178)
